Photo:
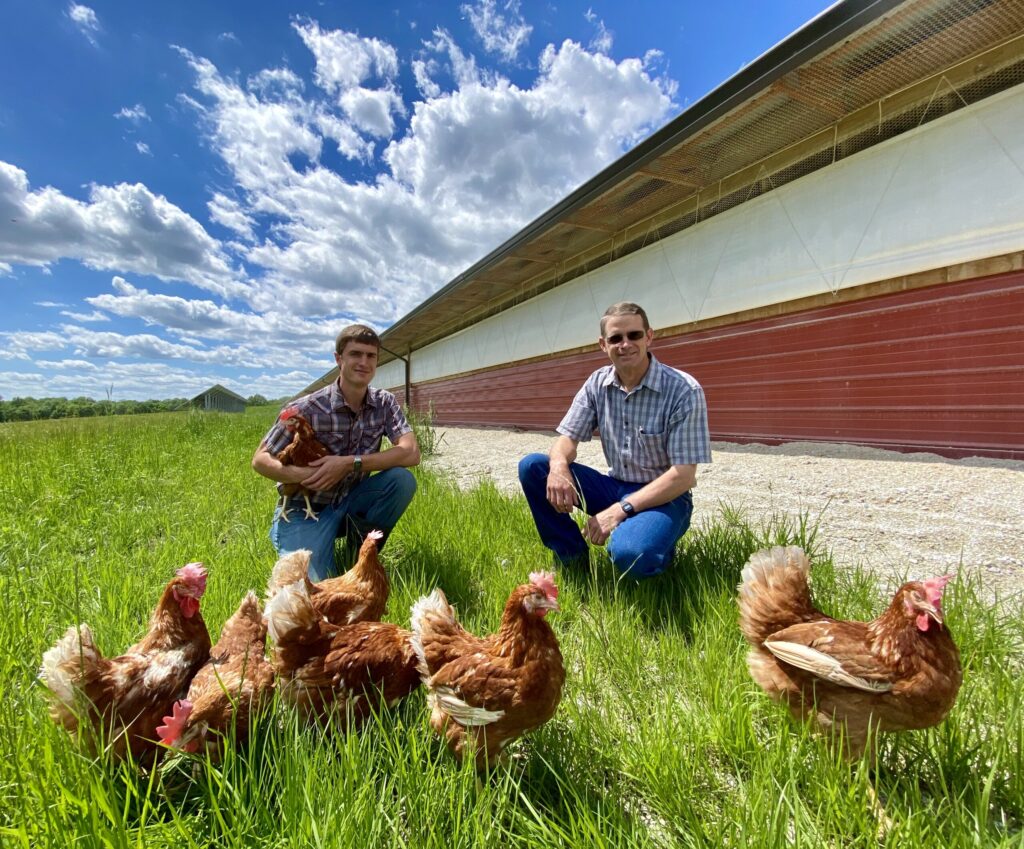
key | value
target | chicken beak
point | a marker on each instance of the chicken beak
(550, 604)
(189, 741)
(933, 612)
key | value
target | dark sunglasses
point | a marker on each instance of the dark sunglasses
(632, 336)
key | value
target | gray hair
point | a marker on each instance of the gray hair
(625, 308)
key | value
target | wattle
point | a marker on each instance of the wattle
(923, 621)
(189, 606)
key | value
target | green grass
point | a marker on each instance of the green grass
(661, 738)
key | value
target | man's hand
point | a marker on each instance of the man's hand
(600, 525)
(561, 491)
(328, 471)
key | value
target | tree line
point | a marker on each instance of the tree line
(31, 409)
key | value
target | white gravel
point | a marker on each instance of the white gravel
(888, 512)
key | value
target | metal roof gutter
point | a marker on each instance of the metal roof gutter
(812, 39)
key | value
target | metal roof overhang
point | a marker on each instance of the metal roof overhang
(859, 73)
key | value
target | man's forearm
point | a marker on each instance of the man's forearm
(266, 464)
(396, 455)
(664, 488)
(562, 453)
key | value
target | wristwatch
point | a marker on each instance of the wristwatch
(357, 464)
(627, 508)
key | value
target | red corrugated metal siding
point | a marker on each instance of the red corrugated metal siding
(937, 369)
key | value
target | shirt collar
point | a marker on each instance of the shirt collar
(338, 398)
(652, 377)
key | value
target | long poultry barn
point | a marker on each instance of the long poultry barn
(831, 242)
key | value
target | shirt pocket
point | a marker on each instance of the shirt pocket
(652, 451)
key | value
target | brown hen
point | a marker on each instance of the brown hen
(901, 671)
(486, 692)
(122, 699)
(232, 687)
(301, 451)
(360, 595)
(351, 669)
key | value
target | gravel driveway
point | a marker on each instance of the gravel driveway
(879, 510)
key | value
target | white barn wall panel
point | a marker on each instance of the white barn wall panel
(949, 192)
(392, 375)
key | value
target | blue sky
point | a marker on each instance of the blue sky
(196, 193)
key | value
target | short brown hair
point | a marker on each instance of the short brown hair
(356, 333)
(625, 308)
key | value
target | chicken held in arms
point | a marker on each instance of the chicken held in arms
(360, 595)
(485, 692)
(323, 668)
(899, 672)
(301, 451)
(120, 700)
(231, 688)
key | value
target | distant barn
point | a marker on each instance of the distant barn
(219, 398)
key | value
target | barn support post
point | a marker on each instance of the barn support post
(408, 390)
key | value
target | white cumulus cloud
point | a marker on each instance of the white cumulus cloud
(124, 228)
(503, 32)
(85, 19)
(345, 60)
(474, 164)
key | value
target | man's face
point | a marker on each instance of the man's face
(624, 352)
(357, 364)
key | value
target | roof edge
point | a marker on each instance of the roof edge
(813, 38)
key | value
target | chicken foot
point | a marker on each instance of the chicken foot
(283, 503)
(309, 509)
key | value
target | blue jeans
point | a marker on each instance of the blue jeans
(377, 501)
(642, 546)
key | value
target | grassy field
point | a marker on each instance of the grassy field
(661, 738)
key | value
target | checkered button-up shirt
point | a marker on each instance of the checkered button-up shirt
(343, 430)
(662, 422)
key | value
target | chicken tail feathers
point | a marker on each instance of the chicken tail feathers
(290, 567)
(69, 663)
(774, 593)
(250, 607)
(245, 616)
(430, 616)
(290, 614)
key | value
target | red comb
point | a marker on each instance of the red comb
(195, 574)
(934, 587)
(545, 581)
(288, 412)
(375, 535)
(175, 723)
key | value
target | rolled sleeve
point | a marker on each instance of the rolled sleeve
(689, 441)
(580, 421)
(276, 439)
(395, 423)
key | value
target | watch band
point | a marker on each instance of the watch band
(357, 464)
(627, 508)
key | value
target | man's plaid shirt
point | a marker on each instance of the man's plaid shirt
(662, 422)
(342, 430)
